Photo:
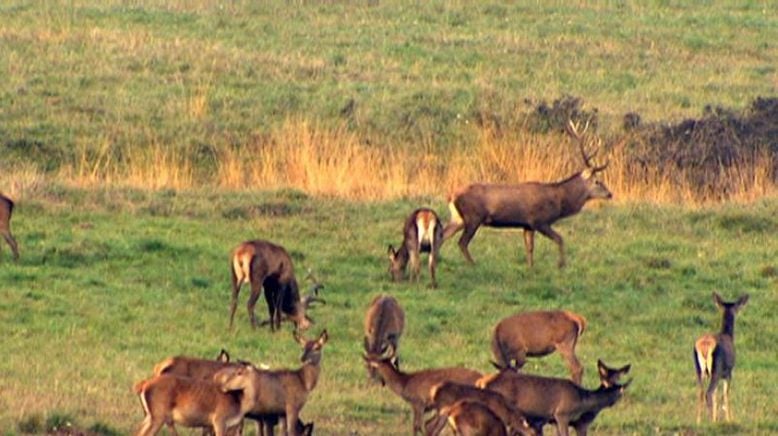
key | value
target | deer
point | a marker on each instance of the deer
(422, 233)
(531, 206)
(384, 323)
(415, 387)
(535, 334)
(714, 358)
(472, 418)
(448, 394)
(263, 264)
(278, 392)
(6, 210)
(546, 399)
(170, 399)
(192, 367)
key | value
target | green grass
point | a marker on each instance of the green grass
(106, 289)
(200, 74)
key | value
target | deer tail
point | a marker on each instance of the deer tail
(140, 386)
(579, 321)
(703, 353)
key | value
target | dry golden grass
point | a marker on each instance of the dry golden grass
(333, 162)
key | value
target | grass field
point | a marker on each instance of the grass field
(105, 290)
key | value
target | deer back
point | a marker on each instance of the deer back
(448, 393)
(472, 418)
(384, 324)
(537, 332)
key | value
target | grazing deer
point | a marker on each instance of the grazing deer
(263, 264)
(416, 387)
(193, 367)
(6, 210)
(714, 358)
(553, 399)
(532, 206)
(170, 399)
(538, 333)
(422, 233)
(473, 418)
(384, 323)
(279, 392)
(447, 394)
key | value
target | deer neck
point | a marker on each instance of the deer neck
(574, 195)
(394, 378)
(594, 401)
(309, 374)
(728, 324)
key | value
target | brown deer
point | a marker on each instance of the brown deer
(532, 206)
(447, 394)
(384, 323)
(263, 264)
(714, 358)
(169, 399)
(279, 392)
(473, 418)
(546, 399)
(6, 210)
(422, 233)
(193, 367)
(416, 387)
(538, 333)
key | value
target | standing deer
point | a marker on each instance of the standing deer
(279, 392)
(6, 210)
(422, 233)
(714, 358)
(170, 399)
(538, 333)
(546, 399)
(416, 387)
(263, 264)
(532, 206)
(384, 323)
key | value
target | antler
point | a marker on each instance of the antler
(572, 130)
(313, 294)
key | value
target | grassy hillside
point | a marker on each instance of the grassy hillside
(186, 93)
(106, 289)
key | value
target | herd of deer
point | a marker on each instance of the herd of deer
(218, 394)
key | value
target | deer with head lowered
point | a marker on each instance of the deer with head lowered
(263, 264)
(6, 210)
(532, 206)
(448, 394)
(422, 233)
(546, 399)
(384, 324)
(279, 392)
(538, 333)
(472, 418)
(714, 358)
(416, 387)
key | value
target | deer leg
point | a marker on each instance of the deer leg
(451, 228)
(464, 240)
(432, 263)
(529, 245)
(435, 425)
(414, 261)
(418, 418)
(567, 350)
(234, 300)
(12, 243)
(290, 422)
(726, 400)
(256, 290)
(561, 425)
(547, 231)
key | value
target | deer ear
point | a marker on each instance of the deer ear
(299, 339)
(742, 301)
(224, 356)
(625, 369)
(717, 299)
(391, 251)
(601, 368)
(323, 337)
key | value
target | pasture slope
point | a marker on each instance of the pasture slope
(106, 289)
